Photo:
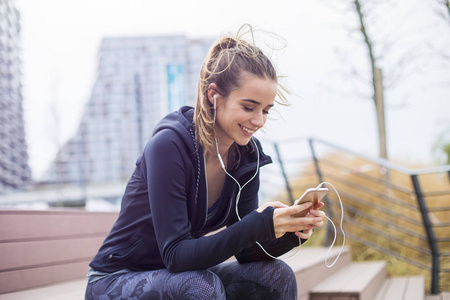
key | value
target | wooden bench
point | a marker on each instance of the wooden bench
(38, 248)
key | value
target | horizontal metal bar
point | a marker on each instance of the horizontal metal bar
(436, 194)
(441, 208)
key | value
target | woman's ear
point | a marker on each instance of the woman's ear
(212, 91)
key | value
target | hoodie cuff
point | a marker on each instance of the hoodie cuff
(268, 212)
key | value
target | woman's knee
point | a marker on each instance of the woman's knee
(258, 280)
(201, 284)
(282, 268)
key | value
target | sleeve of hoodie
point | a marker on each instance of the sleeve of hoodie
(166, 177)
(275, 247)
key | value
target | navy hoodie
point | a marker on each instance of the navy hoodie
(164, 212)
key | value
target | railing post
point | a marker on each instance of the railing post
(328, 208)
(432, 242)
(283, 172)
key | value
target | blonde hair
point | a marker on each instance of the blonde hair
(229, 59)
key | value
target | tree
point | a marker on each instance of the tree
(377, 82)
(398, 40)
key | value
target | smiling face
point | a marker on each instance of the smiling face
(245, 110)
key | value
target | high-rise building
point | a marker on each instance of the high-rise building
(14, 170)
(139, 80)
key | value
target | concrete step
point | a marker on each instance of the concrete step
(356, 281)
(403, 288)
(310, 269)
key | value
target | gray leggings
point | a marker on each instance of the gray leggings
(230, 280)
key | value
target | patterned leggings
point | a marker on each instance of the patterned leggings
(229, 280)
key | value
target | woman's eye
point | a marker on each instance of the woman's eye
(266, 112)
(247, 108)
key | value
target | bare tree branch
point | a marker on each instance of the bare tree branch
(447, 5)
(368, 43)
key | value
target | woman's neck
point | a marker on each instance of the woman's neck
(219, 147)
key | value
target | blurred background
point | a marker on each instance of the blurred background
(84, 82)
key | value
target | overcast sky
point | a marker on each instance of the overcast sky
(60, 41)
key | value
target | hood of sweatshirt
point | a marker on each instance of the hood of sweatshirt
(181, 121)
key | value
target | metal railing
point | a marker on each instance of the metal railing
(401, 212)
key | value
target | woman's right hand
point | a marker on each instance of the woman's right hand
(284, 222)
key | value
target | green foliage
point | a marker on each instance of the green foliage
(442, 147)
(446, 149)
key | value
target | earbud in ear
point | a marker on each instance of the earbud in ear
(215, 107)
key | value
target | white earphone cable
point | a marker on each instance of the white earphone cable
(334, 227)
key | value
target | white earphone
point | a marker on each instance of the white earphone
(215, 107)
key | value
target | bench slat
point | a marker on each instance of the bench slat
(32, 225)
(22, 279)
(25, 255)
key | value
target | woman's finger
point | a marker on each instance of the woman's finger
(305, 234)
(274, 204)
(319, 205)
(317, 213)
(292, 210)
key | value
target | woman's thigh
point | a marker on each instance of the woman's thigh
(257, 280)
(158, 284)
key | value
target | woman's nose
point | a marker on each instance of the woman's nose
(259, 120)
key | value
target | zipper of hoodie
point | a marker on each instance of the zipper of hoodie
(206, 185)
(197, 181)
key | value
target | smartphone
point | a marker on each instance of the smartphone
(313, 195)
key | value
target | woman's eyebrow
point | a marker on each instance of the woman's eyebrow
(255, 102)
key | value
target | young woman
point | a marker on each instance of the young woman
(198, 173)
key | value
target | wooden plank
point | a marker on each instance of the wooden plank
(397, 288)
(377, 282)
(383, 290)
(352, 278)
(40, 253)
(32, 225)
(22, 279)
(352, 281)
(70, 290)
(406, 288)
(415, 288)
(309, 267)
